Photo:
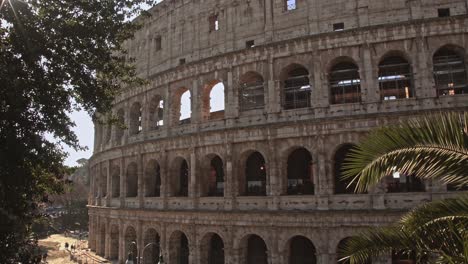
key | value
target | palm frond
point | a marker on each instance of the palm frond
(430, 147)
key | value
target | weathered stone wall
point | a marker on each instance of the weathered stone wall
(283, 39)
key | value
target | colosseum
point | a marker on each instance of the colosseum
(231, 153)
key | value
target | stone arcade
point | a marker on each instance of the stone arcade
(259, 182)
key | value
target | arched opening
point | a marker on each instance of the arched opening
(255, 175)
(300, 173)
(132, 180)
(296, 88)
(213, 100)
(301, 251)
(400, 183)
(395, 78)
(183, 179)
(179, 248)
(114, 243)
(216, 177)
(216, 250)
(345, 83)
(341, 248)
(151, 247)
(342, 186)
(152, 179)
(115, 182)
(104, 183)
(136, 119)
(450, 71)
(130, 243)
(96, 184)
(185, 107)
(102, 241)
(156, 112)
(251, 94)
(257, 252)
(119, 126)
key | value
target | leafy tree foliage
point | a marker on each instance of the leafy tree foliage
(55, 56)
(433, 147)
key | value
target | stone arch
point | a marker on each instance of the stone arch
(119, 126)
(179, 177)
(251, 91)
(213, 100)
(344, 81)
(212, 249)
(181, 107)
(253, 250)
(136, 119)
(115, 179)
(449, 67)
(300, 250)
(131, 186)
(295, 87)
(102, 240)
(152, 180)
(341, 185)
(103, 182)
(253, 173)
(395, 76)
(213, 176)
(130, 242)
(156, 112)
(151, 246)
(299, 172)
(114, 242)
(179, 249)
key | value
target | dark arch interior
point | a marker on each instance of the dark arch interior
(116, 182)
(153, 180)
(255, 172)
(216, 177)
(132, 181)
(130, 244)
(449, 72)
(114, 240)
(216, 250)
(251, 93)
(301, 251)
(184, 179)
(151, 247)
(297, 89)
(256, 251)
(395, 78)
(184, 250)
(300, 177)
(345, 83)
(341, 185)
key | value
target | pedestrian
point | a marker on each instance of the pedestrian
(66, 245)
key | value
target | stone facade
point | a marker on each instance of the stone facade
(155, 182)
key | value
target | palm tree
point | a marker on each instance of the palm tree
(434, 147)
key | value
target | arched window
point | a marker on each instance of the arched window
(130, 243)
(251, 94)
(345, 83)
(216, 177)
(132, 180)
(104, 183)
(216, 250)
(342, 185)
(255, 172)
(156, 113)
(297, 89)
(399, 182)
(395, 78)
(151, 246)
(256, 250)
(153, 179)
(216, 103)
(136, 119)
(179, 246)
(102, 241)
(340, 249)
(185, 108)
(115, 182)
(301, 251)
(119, 126)
(300, 175)
(114, 242)
(183, 179)
(449, 72)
